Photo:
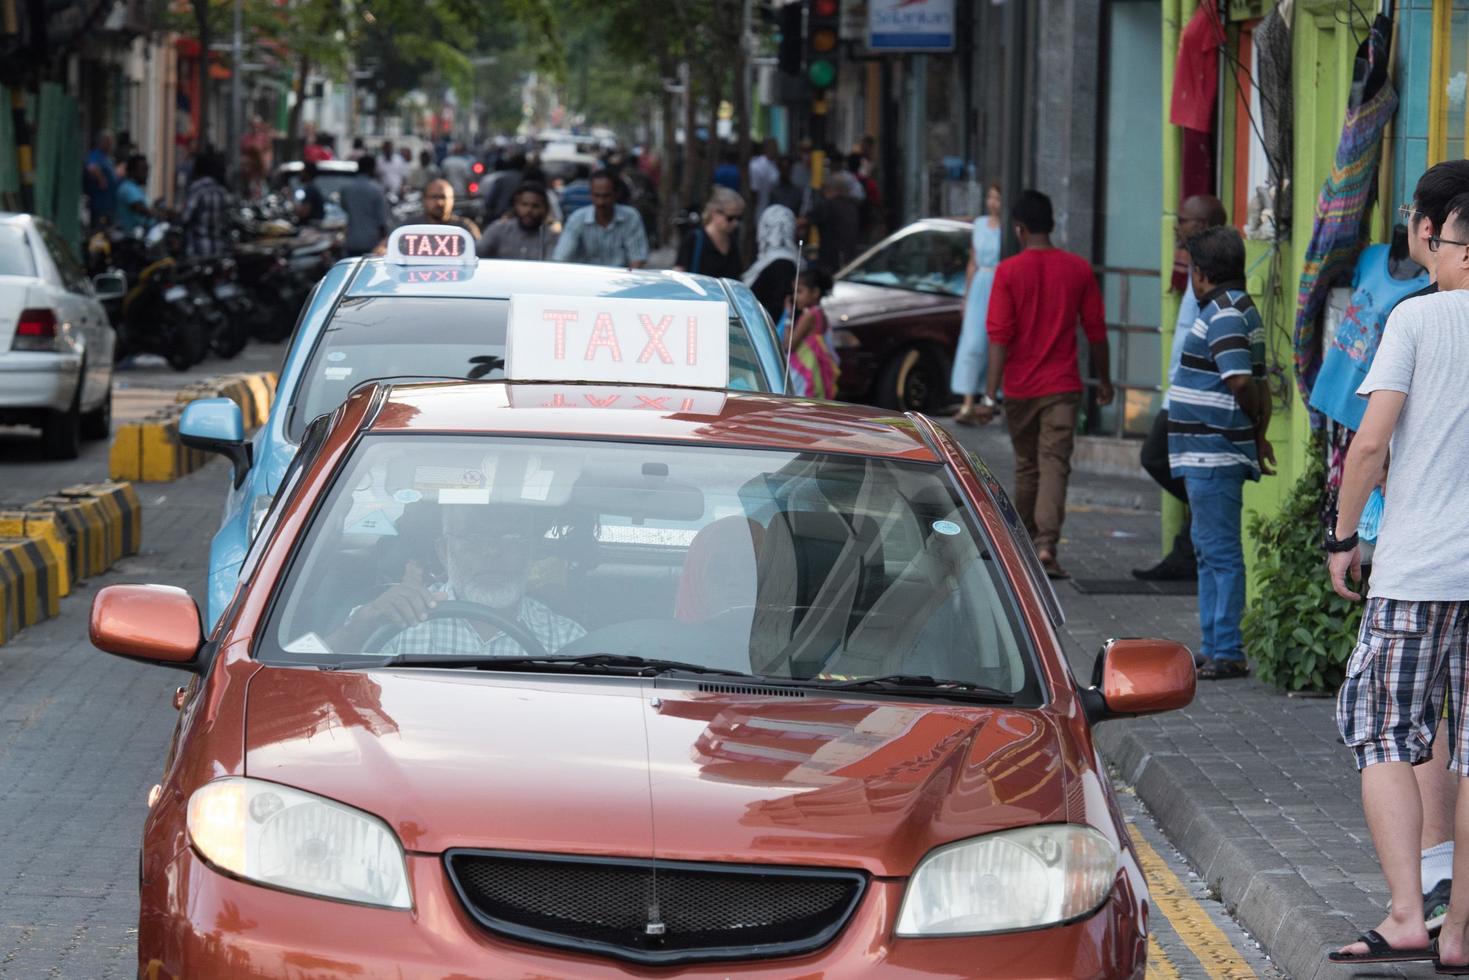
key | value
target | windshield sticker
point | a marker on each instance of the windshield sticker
(450, 477)
(947, 527)
(337, 355)
(464, 495)
(376, 523)
(407, 495)
(307, 643)
(337, 373)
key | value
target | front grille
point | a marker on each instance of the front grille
(668, 913)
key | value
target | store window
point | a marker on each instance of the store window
(1448, 111)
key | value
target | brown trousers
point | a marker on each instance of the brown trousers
(1043, 432)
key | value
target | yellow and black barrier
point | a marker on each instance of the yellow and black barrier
(148, 449)
(50, 544)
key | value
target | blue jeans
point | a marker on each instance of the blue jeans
(1216, 502)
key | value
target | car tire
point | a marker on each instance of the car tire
(61, 432)
(97, 424)
(914, 380)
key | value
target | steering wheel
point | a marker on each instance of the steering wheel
(461, 609)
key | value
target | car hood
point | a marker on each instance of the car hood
(638, 768)
(854, 301)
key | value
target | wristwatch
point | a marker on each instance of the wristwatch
(1335, 546)
(988, 402)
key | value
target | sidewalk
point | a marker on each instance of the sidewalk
(1253, 787)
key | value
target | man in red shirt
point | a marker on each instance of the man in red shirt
(1038, 299)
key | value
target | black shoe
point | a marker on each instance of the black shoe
(1170, 569)
(1436, 906)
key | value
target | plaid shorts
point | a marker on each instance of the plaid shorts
(1408, 667)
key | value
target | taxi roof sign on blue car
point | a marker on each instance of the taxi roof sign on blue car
(619, 340)
(441, 245)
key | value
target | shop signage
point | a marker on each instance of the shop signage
(910, 25)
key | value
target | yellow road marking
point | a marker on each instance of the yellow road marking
(1159, 966)
(1199, 933)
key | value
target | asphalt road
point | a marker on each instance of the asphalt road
(82, 738)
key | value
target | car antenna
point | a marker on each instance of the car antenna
(791, 324)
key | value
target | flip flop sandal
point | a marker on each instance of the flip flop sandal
(963, 417)
(1450, 969)
(1379, 950)
(1223, 670)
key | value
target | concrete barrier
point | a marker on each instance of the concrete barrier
(50, 544)
(148, 449)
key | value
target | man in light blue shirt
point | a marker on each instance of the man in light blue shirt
(1196, 214)
(605, 233)
(132, 196)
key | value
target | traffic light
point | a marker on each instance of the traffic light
(788, 22)
(822, 39)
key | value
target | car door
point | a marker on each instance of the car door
(80, 307)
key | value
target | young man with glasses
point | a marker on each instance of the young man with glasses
(1406, 675)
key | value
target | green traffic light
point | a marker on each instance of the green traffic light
(821, 73)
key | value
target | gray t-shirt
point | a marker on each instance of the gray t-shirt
(367, 214)
(1423, 541)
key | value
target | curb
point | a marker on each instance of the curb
(148, 449)
(1293, 923)
(49, 545)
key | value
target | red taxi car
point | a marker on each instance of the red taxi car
(568, 680)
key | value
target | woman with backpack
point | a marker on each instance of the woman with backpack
(713, 248)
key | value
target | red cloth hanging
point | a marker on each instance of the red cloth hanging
(1196, 72)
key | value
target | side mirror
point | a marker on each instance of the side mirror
(110, 286)
(1139, 677)
(156, 623)
(215, 425)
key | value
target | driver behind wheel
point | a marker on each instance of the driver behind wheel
(487, 552)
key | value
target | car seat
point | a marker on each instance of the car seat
(817, 569)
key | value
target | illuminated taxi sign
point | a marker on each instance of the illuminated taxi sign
(679, 343)
(442, 245)
(663, 401)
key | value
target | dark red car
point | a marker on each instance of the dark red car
(897, 310)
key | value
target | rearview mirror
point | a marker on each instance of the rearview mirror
(110, 286)
(156, 623)
(1139, 677)
(215, 425)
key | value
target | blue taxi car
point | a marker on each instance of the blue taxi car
(415, 314)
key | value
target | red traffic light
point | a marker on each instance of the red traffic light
(824, 8)
(479, 168)
(474, 188)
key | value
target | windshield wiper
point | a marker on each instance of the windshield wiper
(600, 662)
(920, 684)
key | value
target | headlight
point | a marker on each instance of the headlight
(259, 507)
(1016, 879)
(282, 837)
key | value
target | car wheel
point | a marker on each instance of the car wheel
(61, 432)
(915, 380)
(97, 424)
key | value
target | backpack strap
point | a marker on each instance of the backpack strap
(698, 249)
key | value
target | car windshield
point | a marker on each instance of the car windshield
(924, 260)
(432, 337)
(15, 252)
(797, 567)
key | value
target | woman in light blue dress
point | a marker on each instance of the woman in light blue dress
(971, 361)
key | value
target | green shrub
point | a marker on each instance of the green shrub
(1298, 631)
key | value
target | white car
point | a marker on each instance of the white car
(55, 338)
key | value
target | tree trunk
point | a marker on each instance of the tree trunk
(691, 154)
(206, 38)
(293, 121)
(666, 189)
(742, 130)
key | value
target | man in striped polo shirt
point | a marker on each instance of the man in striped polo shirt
(1218, 411)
